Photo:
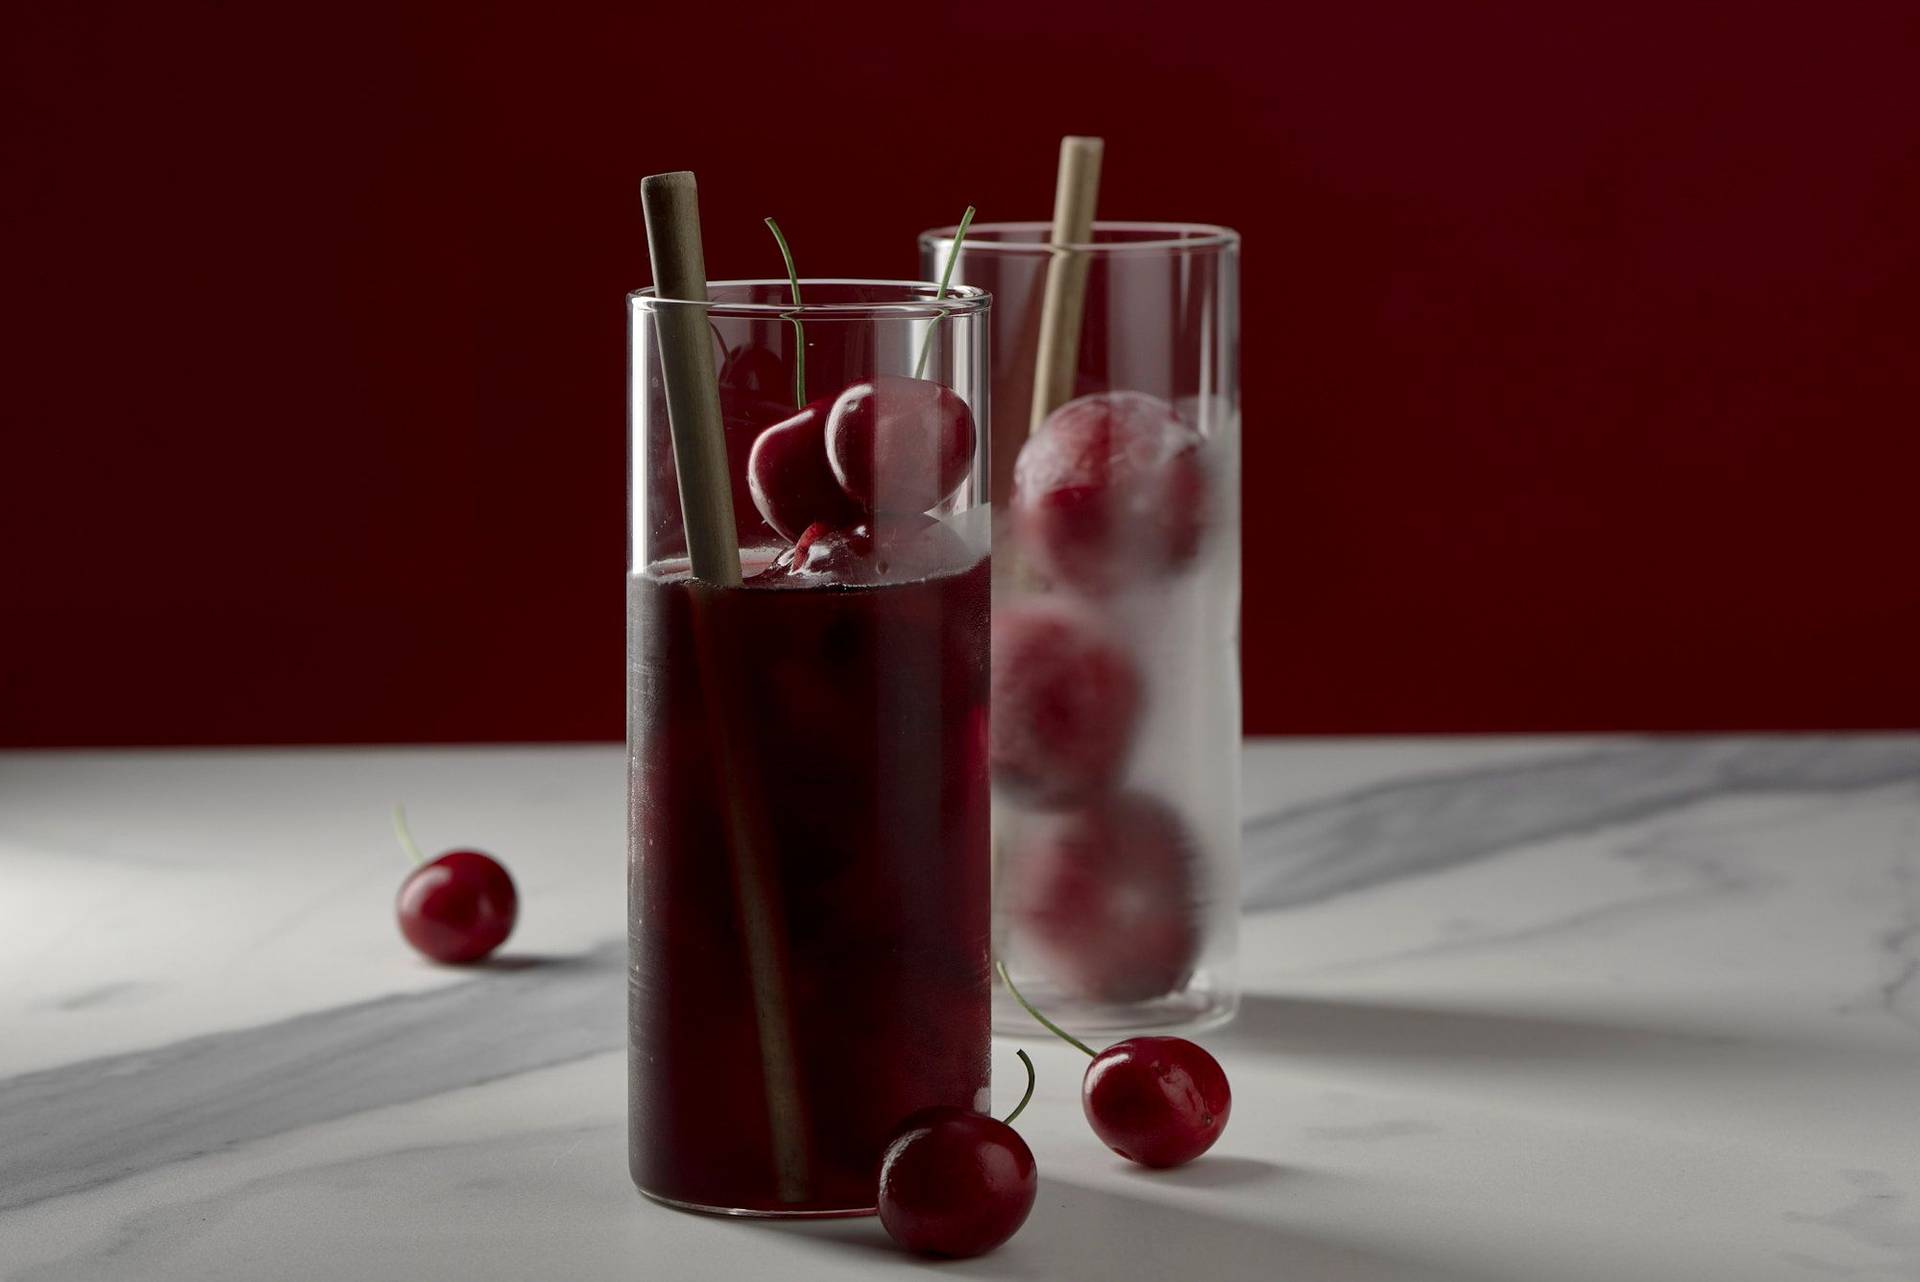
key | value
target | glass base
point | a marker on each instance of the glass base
(1193, 1009)
(758, 1213)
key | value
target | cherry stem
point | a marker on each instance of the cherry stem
(1021, 1106)
(405, 835)
(799, 330)
(946, 278)
(1046, 1023)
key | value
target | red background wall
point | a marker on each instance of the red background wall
(1581, 352)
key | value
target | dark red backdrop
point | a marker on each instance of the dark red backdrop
(1582, 341)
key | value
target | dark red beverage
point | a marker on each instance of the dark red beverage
(808, 880)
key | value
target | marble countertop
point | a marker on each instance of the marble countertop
(1517, 1009)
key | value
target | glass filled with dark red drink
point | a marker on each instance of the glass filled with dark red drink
(808, 829)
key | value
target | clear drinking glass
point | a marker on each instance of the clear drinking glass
(808, 884)
(1116, 672)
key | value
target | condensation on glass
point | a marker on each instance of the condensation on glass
(1116, 693)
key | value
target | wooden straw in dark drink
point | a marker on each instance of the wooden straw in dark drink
(706, 503)
(1076, 191)
(686, 366)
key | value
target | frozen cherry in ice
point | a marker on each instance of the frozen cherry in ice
(1066, 702)
(1110, 490)
(457, 907)
(1158, 1101)
(788, 476)
(1105, 898)
(898, 444)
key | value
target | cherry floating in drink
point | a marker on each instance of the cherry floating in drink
(899, 444)
(1106, 899)
(1110, 490)
(744, 414)
(1066, 702)
(788, 476)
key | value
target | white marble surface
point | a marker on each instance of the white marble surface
(1518, 1009)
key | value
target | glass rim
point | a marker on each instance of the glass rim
(1173, 236)
(922, 299)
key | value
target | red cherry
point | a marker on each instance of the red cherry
(1066, 703)
(742, 414)
(1105, 899)
(458, 907)
(955, 1183)
(1158, 1101)
(1110, 489)
(882, 549)
(789, 479)
(900, 444)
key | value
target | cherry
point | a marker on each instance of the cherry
(1066, 703)
(1158, 1101)
(957, 1183)
(455, 908)
(1110, 489)
(881, 549)
(898, 444)
(742, 414)
(787, 473)
(788, 476)
(1105, 898)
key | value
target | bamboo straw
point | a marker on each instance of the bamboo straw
(1076, 191)
(672, 207)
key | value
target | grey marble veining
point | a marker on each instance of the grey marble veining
(83, 1125)
(1898, 992)
(1519, 1012)
(1879, 1217)
(1333, 845)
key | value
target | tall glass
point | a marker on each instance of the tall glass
(808, 899)
(1116, 672)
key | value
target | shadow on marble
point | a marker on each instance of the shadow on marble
(1342, 1028)
(508, 962)
(122, 992)
(91, 1122)
(1080, 1231)
(1215, 1171)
